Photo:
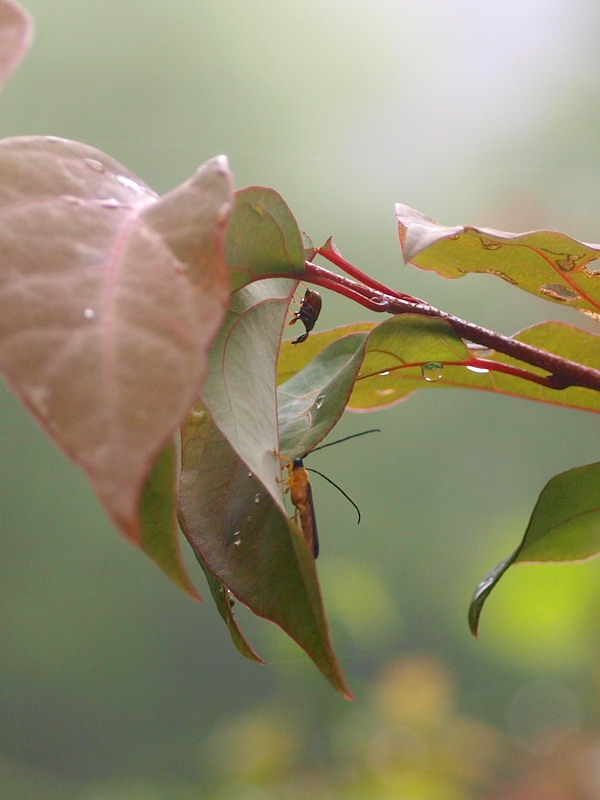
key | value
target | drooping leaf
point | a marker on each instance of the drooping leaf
(101, 334)
(225, 606)
(247, 541)
(548, 264)
(16, 31)
(240, 390)
(263, 238)
(293, 358)
(564, 526)
(312, 401)
(158, 520)
(231, 486)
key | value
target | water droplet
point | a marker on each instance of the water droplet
(385, 392)
(94, 164)
(319, 401)
(198, 414)
(230, 598)
(257, 497)
(480, 349)
(386, 372)
(250, 474)
(432, 371)
(480, 370)
(89, 313)
(110, 202)
(70, 200)
(131, 184)
(237, 539)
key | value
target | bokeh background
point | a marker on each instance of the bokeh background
(113, 685)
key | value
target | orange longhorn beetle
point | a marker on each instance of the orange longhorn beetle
(301, 493)
(310, 308)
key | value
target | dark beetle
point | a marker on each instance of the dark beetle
(308, 314)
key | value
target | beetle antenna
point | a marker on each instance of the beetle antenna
(345, 439)
(339, 488)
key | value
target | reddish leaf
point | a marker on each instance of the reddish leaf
(102, 334)
(16, 29)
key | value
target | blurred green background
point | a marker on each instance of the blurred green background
(113, 685)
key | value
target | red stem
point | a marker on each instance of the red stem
(563, 373)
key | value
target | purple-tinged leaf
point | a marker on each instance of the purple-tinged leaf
(106, 314)
(16, 31)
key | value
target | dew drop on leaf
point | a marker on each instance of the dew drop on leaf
(237, 539)
(110, 202)
(257, 497)
(319, 401)
(432, 371)
(386, 372)
(89, 313)
(479, 370)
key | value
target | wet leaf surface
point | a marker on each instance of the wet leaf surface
(245, 538)
(104, 326)
(405, 356)
(231, 501)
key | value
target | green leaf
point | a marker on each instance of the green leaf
(397, 350)
(262, 238)
(312, 401)
(159, 532)
(225, 603)
(564, 526)
(374, 390)
(231, 486)
(548, 264)
(248, 542)
(293, 358)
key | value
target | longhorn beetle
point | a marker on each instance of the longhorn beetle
(301, 493)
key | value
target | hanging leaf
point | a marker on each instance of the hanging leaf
(232, 508)
(103, 334)
(564, 526)
(158, 520)
(246, 540)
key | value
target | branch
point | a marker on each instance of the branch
(563, 373)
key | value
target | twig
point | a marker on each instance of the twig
(563, 373)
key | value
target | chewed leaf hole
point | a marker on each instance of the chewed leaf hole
(559, 292)
(593, 268)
